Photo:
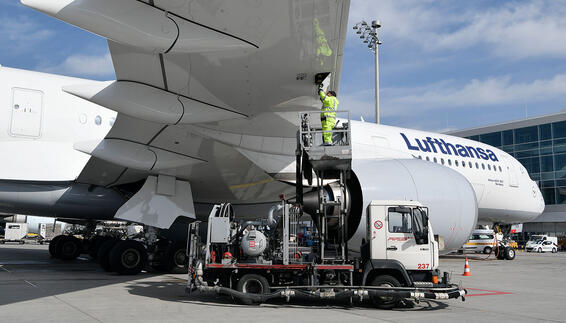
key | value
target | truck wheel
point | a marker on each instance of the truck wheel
(53, 246)
(128, 257)
(487, 250)
(385, 281)
(104, 251)
(175, 258)
(252, 284)
(68, 248)
(509, 253)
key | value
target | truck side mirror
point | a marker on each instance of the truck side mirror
(420, 226)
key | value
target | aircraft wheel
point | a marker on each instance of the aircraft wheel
(500, 253)
(104, 252)
(68, 248)
(95, 244)
(53, 246)
(509, 253)
(128, 257)
(175, 258)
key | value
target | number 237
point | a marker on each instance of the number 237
(422, 266)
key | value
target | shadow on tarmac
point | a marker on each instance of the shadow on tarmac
(174, 291)
(28, 273)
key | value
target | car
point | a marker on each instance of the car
(544, 246)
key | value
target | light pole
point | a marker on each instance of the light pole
(369, 36)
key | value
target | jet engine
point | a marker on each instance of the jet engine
(448, 195)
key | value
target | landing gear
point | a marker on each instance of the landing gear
(104, 252)
(53, 246)
(65, 247)
(127, 257)
(68, 248)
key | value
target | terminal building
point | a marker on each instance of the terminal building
(539, 143)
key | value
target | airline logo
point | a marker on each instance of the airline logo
(435, 145)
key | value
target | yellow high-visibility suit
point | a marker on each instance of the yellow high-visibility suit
(328, 115)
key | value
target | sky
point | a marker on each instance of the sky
(444, 65)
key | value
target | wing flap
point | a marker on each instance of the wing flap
(139, 24)
(150, 103)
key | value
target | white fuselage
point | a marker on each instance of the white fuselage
(40, 123)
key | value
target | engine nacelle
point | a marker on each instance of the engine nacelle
(448, 195)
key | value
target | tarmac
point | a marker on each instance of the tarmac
(36, 288)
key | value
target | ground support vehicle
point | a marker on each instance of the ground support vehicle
(482, 240)
(15, 232)
(255, 261)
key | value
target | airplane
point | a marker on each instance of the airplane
(205, 109)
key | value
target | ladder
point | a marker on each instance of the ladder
(329, 164)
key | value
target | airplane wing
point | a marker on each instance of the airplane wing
(187, 70)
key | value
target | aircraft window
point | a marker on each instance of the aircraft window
(449, 162)
(482, 166)
(456, 163)
(463, 164)
(477, 165)
(488, 167)
(420, 157)
(435, 160)
(500, 169)
(442, 161)
(427, 158)
(98, 120)
(470, 164)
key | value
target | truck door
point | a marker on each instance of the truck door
(27, 106)
(401, 243)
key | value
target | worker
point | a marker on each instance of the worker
(328, 114)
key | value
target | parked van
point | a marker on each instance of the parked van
(482, 240)
(542, 243)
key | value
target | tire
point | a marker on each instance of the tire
(487, 250)
(554, 250)
(500, 253)
(104, 251)
(95, 245)
(68, 248)
(539, 250)
(254, 284)
(175, 258)
(128, 257)
(53, 246)
(389, 281)
(510, 253)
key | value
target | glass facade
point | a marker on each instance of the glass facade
(542, 150)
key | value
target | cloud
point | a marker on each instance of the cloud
(514, 29)
(20, 33)
(490, 92)
(83, 66)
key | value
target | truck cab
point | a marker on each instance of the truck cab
(399, 243)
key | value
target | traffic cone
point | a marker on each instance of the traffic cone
(467, 269)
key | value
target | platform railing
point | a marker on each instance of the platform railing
(311, 133)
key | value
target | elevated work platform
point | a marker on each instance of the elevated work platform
(337, 156)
